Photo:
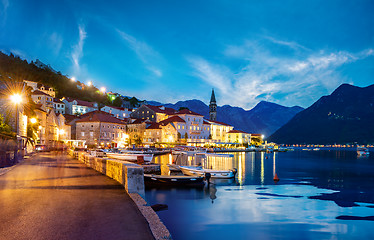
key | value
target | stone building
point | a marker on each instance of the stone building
(153, 113)
(117, 112)
(213, 107)
(101, 129)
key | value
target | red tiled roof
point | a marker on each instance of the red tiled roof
(161, 109)
(154, 126)
(187, 111)
(237, 131)
(221, 123)
(37, 92)
(99, 116)
(69, 118)
(172, 119)
(256, 134)
(81, 102)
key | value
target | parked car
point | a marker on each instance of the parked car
(41, 148)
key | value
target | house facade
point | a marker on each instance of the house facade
(219, 130)
(101, 129)
(44, 99)
(58, 106)
(78, 107)
(153, 113)
(236, 136)
(117, 112)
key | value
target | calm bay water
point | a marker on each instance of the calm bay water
(327, 194)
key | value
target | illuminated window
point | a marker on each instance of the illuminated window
(82, 134)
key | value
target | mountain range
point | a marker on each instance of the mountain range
(345, 116)
(265, 118)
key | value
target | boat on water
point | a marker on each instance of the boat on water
(166, 180)
(316, 149)
(173, 167)
(200, 171)
(130, 156)
(362, 151)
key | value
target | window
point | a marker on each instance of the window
(92, 126)
(91, 134)
(179, 127)
(82, 134)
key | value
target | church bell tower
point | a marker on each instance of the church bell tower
(213, 107)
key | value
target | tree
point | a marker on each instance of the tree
(181, 108)
(4, 127)
(179, 135)
(185, 135)
(117, 102)
(138, 141)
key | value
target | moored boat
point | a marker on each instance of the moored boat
(132, 157)
(362, 151)
(165, 180)
(199, 171)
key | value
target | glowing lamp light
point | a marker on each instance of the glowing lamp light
(263, 136)
(62, 131)
(73, 79)
(16, 98)
(40, 127)
(33, 120)
(103, 89)
(89, 83)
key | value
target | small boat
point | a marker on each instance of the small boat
(165, 180)
(173, 167)
(362, 151)
(199, 171)
(316, 149)
(132, 157)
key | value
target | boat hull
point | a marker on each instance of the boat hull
(179, 181)
(130, 156)
(223, 174)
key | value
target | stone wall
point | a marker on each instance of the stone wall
(130, 175)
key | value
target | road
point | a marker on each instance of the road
(51, 196)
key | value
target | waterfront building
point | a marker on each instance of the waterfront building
(219, 131)
(117, 112)
(195, 129)
(213, 107)
(136, 130)
(101, 129)
(152, 134)
(237, 136)
(78, 107)
(152, 113)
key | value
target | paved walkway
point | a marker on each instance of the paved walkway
(51, 196)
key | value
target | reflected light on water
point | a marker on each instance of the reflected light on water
(262, 169)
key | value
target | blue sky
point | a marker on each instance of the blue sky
(287, 52)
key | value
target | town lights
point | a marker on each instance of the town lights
(73, 79)
(62, 131)
(33, 120)
(16, 98)
(103, 89)
(89, 83)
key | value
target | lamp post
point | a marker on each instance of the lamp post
(16, 99)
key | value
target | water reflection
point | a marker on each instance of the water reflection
(316, 192)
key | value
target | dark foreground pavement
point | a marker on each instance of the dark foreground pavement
(51, 196)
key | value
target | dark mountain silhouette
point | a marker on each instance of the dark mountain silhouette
(345, 116)
(264, 118)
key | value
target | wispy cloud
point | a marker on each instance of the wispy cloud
(56, 42)
(4, 4)
(77, 52)
(284, 79)
(144, 52)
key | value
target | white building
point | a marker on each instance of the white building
(78, 107)
(117, 112)
(58, 106)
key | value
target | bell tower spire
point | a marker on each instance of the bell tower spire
(213, 107)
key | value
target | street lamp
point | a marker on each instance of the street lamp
(17, 100)
(33, 120)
